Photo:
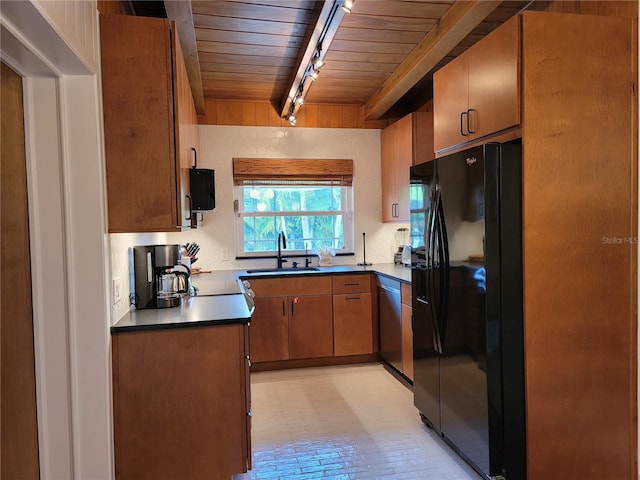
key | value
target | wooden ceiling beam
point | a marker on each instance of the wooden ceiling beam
(180, 12)
(456, 23)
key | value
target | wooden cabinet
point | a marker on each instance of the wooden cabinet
(181, 403)
(579, 82)
(403, 143)
(352, 318)
(478, 93)
(269, 329)
(292, 319)
(407, 331)
(310, 326)
(150, 125)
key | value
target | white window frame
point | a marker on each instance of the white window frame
(346, 211)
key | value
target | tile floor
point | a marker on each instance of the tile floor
(345, 422)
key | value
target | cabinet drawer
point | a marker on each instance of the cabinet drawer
(359, 283)
(405, 293)
(292, 286)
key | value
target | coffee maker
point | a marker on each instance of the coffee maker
(157, 282)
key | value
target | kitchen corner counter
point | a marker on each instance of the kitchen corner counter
(199, 311)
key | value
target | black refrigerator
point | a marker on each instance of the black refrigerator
(466, 234)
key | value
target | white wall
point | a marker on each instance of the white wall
(219, 144)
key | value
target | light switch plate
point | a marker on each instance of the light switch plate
(117, 290)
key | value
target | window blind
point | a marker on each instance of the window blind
(283, 171)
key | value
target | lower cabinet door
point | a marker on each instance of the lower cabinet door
(270, 330)
(352, 324)
(310, 326)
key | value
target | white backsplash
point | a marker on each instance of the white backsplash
(219, 144)
(120, 246)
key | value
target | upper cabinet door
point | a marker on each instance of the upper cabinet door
(404, 143)
(478, 93)
(145, 189)
(494, 81)
(450, 103)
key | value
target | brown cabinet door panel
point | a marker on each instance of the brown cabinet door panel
(310, 326)
(450, 99)
(404, 143)
(149, 124)
(352, 324)
(179, 403)
(270, 330)
(494, 81)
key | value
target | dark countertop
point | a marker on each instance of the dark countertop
(220, 299)
(193, 312)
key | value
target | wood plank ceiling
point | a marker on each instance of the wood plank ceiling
(249, 49)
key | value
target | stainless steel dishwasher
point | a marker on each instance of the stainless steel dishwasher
(390, 318)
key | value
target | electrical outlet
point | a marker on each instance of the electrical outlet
(117, 290)
(225, 255)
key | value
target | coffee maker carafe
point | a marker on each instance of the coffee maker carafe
(157, 281)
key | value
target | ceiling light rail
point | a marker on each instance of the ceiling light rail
(313, 59)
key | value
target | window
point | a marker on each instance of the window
(309, 200)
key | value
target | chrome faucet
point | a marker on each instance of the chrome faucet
(281, 240)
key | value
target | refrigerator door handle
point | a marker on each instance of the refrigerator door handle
(443, 261)
(435, 271)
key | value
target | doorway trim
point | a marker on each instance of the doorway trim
(68, 235)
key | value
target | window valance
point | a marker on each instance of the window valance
(254, 171)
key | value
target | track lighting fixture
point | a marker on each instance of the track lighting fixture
(313, 59)
(317, 60)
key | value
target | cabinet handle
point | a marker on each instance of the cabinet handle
(469, 121)
(395, 209)
(351, 284)
(249, 414)
(283, 311)
(195, 158)
(353, 298)
(190, 205)
(461, 123)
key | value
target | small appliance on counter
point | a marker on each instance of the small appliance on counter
(403, 255)
(159, 282)
(403, 249)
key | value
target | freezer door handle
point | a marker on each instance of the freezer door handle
(431, 273)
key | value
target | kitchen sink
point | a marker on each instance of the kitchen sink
(285, 270)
